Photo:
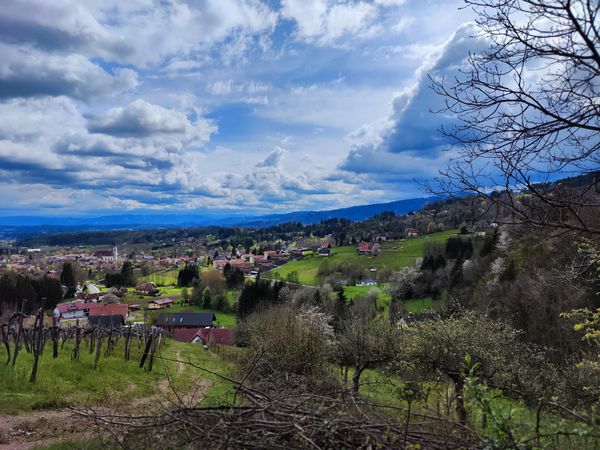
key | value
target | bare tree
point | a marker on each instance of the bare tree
(528, 112)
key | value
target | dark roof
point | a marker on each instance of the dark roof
(114, 321)
(200, 320)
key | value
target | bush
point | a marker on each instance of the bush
(289, 347)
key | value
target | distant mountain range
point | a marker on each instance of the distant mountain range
(29, 225)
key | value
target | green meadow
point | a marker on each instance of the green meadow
(394, 256)
(62, 382)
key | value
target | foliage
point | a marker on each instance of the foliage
(187, 275)
(16, 288)
(438, 348)
(363, 343)
(234, 276)
(260, 294)
(289, 347)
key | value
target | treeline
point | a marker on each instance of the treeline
(17, 290)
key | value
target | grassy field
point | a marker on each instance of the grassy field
(163, 278)
(412, 305)
(394, 255)
(62, 382)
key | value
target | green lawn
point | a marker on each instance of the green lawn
(162, 278)
(412, 305)
(394, 256)
(62, 382)
(420, 304)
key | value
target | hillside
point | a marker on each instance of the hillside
(394, 255)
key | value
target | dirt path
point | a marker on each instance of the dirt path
(35, 428)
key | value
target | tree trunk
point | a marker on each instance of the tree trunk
(19, 333)
(98, 345)
(54, 342)
(37, 344)
(356, 378)
(461, 411)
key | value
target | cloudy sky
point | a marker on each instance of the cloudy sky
(262, 106)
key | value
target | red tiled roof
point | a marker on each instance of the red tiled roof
(71, 306)
(223, 336)
(185, 334)
(365, 247)
(113, 309)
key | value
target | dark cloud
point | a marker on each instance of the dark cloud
(25, 72)
(408, 144)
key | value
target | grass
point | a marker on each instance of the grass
(62, 382)
(161, 278)
(394, 256)
(413, 305)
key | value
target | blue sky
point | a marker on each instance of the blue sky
(258, 106)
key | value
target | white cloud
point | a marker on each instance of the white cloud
(142, 119)
(326, 21)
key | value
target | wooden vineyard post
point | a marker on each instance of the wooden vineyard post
(98, 345)
(75, 352)
(4, 333)
(19, 333)
(37, 340)
(146, 350)
(54, 341)
(128, 343)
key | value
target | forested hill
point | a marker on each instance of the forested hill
(22, 225)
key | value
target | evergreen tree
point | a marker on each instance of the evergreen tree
(69, 279)
(128, 278)
(206, 298)
(187, 275)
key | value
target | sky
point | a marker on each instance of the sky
(233, 105)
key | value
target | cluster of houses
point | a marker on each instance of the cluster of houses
(107, 315)
(184, 327)
(249, 263)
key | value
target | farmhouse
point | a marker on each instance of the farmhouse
(71, 310)
(175, 321)
(113, 309)
(206, 336)
(324, 251)
(364, 248)
(146, 289)
(79, 310)
(109, 321)
(367, 282)
(412, 232)
(160, 303)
